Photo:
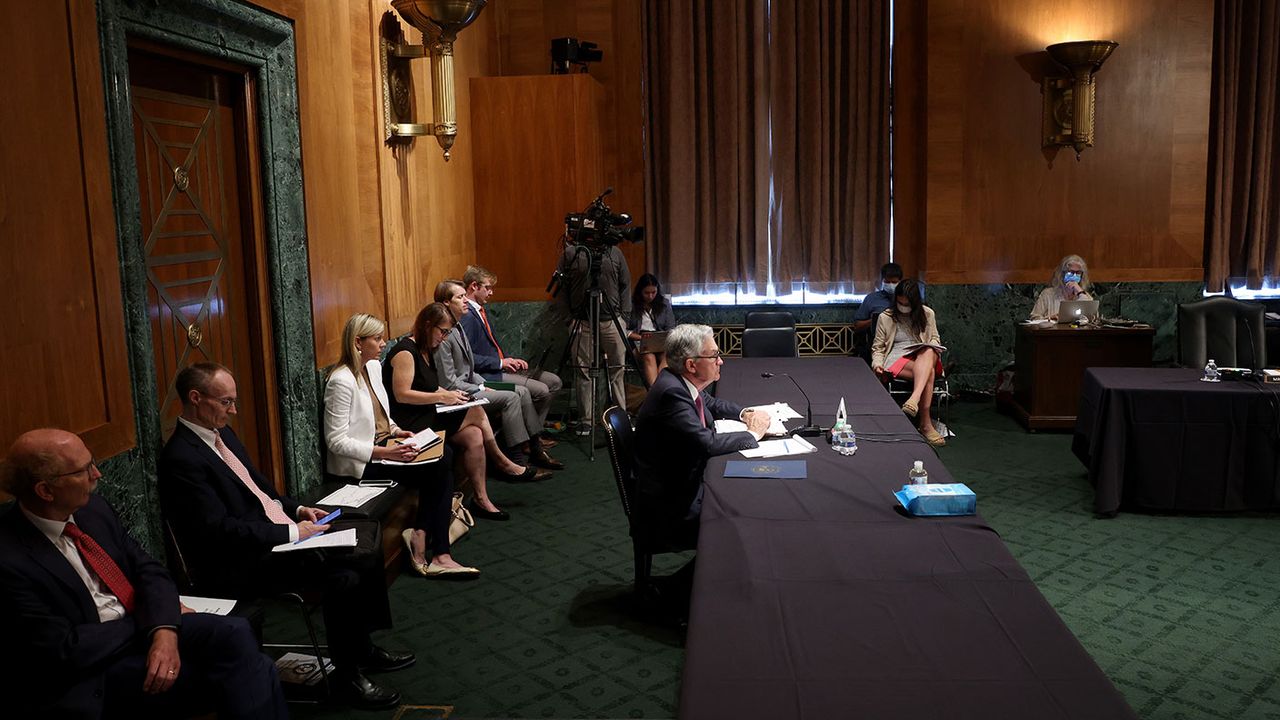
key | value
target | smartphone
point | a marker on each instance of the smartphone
(330, 517)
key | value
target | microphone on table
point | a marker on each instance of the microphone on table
(809, 430)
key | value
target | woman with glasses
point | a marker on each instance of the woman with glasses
(359, 431)
(415, 391)
(907, 346)
(1070, 281)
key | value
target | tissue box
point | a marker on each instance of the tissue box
(927, 500)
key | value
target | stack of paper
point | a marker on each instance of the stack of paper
(212, 606)
(342, 538)
(794, 445)
(351, 496)
(778, 413)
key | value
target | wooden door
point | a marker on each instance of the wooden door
(206, 297)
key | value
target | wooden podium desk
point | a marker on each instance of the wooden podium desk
(1050, 364)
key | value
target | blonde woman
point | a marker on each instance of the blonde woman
(909, 322)
(1069, 282)
(358, 430)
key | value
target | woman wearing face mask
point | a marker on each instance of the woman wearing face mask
(650, 312)
(905, 324)
(1069, 282)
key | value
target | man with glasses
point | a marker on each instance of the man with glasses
(675, 435)
(92, 623)
(227, 517)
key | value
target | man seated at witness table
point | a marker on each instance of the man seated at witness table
(227, 517)
(1070, 281)
(92, 623)
(490, 361)
(675, 434)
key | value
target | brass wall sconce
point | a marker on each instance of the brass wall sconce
(1069, 101)
(440, 21)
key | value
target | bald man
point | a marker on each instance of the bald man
(92, 623)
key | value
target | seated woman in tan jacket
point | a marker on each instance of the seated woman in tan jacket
(895, 353)
(1070, 281)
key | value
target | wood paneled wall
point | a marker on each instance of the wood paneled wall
(987, 204)
(61, 317)
(524, 32)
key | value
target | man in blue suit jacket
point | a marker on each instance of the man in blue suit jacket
(675, 434)
(227, 526)
(92, 624)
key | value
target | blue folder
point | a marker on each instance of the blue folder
(782, 469)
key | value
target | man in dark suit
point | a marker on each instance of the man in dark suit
(227, 517)
(675, 434)
(92, 624)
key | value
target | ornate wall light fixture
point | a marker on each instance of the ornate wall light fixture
(440, 21)
(1069, 101)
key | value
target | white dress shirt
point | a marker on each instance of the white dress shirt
(108, 605)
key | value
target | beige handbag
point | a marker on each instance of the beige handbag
(462, 521)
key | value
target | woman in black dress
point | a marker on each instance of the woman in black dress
(415, 391)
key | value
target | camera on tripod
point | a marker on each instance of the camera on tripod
(599, 227)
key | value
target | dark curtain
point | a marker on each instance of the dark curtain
(1243, 218)
(767, 141)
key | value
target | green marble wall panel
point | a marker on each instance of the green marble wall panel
(976, 321)
(263, 42)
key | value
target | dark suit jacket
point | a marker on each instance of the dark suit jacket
(484, 352)
(672, 446)
(219, 524)
(56, 649)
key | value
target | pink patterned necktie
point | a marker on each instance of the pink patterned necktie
(102, 565)
(701, 415)
(273, 510)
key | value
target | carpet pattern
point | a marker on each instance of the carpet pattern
(1181, 612)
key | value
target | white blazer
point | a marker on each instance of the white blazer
(348, 419)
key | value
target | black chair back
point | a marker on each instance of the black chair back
(769, 342)
(1229, 331)
(177, 564)
(617, 430)
(770, 319)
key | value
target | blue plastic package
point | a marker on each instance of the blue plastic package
(934, 500)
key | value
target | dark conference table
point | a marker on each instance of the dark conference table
(1160, 439)
(817, 599)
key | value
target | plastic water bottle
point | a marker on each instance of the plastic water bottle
(837, 437)
(918, 475)
(851, 441)
(1211, 373)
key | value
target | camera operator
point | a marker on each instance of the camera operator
(577, 277)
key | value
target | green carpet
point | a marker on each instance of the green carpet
(1182, 612)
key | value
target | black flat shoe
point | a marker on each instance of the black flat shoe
(382, 660)
(359, 691)
(500, 515)
(530, 474)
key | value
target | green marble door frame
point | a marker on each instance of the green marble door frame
(264, 42)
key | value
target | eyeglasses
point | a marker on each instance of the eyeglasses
(225, 402)
(719, 355)
(444, 332)
(93, 465)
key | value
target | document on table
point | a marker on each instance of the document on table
(342, 538)
(462, 406)
(778, 412)
(212, 606)
(794, 445)
(351, 496)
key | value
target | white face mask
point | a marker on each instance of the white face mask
(904, 309)
(888, 287)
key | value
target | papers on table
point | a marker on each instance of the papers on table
(342, 538)
(461, 406)
(212, 606)
(794, 445)
(351, 496)
(778, 412)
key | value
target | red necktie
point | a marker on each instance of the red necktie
(701, 415)
(274, 512)
(102, 565)
(484, 318)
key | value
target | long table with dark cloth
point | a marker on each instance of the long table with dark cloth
(818, 599)
(1161, 439)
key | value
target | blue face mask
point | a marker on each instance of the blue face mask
(888, 287)
(1069, 276)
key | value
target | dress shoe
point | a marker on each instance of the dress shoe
(359, 691)
(910, 407)
(383, 660)
(477, 511)
(440, 572)
(418, 567)
(530, 474)
(540, 458)
(548, 443)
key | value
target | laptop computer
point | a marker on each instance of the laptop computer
(1070, 311)
(653, 342)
